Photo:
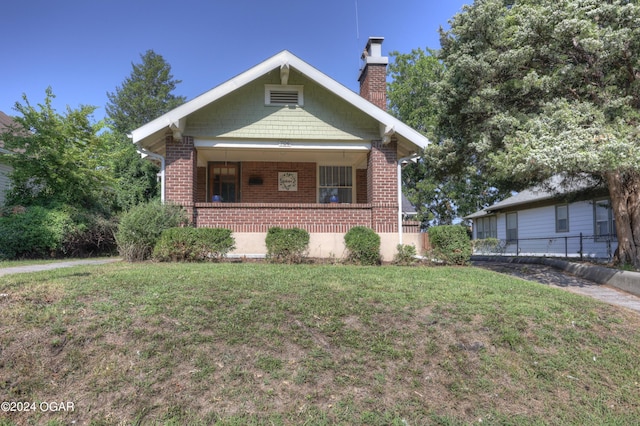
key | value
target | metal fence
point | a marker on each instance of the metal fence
(595, 247)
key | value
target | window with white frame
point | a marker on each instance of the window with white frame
(335, 184)
(512, 227)
(604, 221)
(278, 95)
(562, 218)
(486, 227)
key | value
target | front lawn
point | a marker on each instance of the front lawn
(312, 344)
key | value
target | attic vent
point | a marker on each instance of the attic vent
(283, 95)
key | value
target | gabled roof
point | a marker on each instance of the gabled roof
(285, 57)
(557, 187)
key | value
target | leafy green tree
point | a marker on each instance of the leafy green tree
(536, 88)
(58, 157)
(143, 96)
(412, 90)
(413, 98)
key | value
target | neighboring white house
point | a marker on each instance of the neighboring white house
(5, 121)
(540, 222)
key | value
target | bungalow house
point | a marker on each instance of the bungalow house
(550, 221)
(283, 144)
(5, 169)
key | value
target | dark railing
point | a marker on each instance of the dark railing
(597, 247)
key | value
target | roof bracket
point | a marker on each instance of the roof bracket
(386, 131)
(177, 127)
(284, 74)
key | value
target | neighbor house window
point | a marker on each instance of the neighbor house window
(605, 223)
(486, 227)
(278, 95)
(512, 227)
(562, 218)
(337, 182)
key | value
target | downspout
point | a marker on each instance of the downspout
(400, 161)
(160, 158)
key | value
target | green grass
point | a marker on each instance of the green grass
(308, 344)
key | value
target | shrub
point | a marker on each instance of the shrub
(406, 255)
(287, 245)
(33, 232)
(488, 246)
(193, 244)
(141, 227)
(92, 234)
(450, 244)
(363, 245)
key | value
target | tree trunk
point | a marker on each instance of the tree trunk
(624, 190)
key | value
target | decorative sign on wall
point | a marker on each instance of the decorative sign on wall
(287, 181)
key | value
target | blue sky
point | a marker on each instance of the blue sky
(84, 48)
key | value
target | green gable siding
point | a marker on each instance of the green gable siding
(243, 114)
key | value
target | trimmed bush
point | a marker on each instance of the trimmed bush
(193, 244)
(363, 245)
(33, 232)
(287, 245)
(140, 228)
(451, 244)
(406, 255)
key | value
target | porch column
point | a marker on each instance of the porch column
(382, 191)
(180, 171)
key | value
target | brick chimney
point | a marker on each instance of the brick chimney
(373, 74)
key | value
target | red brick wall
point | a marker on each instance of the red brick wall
(201, 185)
(180, 171)
(361, 186)
(318, 218)
(373, 84)
(382, 188)
(268, 191)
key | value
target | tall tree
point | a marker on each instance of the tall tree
(143, 96)
(536, 88)
(58, 157)
(413, 98)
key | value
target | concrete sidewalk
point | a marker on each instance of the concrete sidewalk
(608, 285)
(55, 265)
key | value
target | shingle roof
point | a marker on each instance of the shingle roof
(555, 187)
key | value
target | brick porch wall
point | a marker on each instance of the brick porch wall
(201, 185)
(382, 190)
(257, 217)
(180, 171)
(268, 192)
(361, 186)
